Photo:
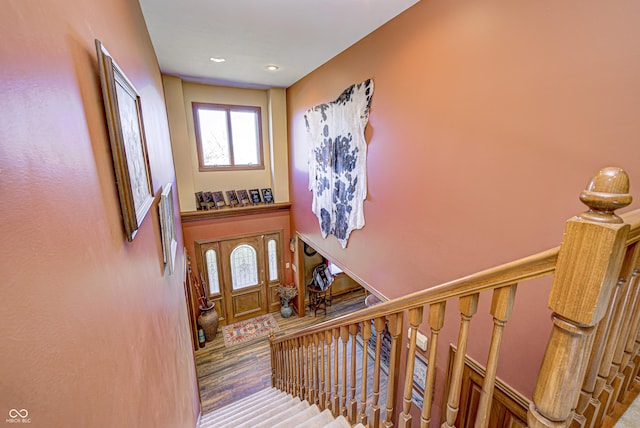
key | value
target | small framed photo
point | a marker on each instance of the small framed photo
(233, 199)
(128, 144)
(419, 380)
(208, 200)
(200, 204)
(218, 200)
(254, 195)
(168, 228)
(267, 196)
(243, 196)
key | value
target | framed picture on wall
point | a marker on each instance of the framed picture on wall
(128, 144)
(267, 196)
(254, 195)
(419, 380)
(233, 198)
(168, 228)
(243, 196)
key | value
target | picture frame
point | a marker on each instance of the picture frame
(208, 200)
(267, 195)
(419, 380)
(218, 200)
(243, 196)
(254, 196)
(128, 144)
(168, 228)
(233, 199)
(200, 204)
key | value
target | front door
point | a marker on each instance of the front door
(243, 278)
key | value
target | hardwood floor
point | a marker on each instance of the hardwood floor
(228, 374)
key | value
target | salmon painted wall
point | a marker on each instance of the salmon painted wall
(487, 120)
(94, 331)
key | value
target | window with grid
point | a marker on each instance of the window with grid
(228, 137)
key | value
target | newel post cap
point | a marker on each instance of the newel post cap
(607, 191)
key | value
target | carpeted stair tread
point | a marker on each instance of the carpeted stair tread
(342, 422)
(227, 416)
(254, 415)
(320, 419)
(248, 403)
(289, 415)
(258, 397)
(272, 408)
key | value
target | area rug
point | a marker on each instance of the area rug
(244, 331)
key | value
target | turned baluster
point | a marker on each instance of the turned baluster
(595, 387)
(292, 366)
(272, 354)
(315, 366)
(605, 389)
(619, 362)
(292, 362)
(322, 396)
(468, 305)
(395, 330)
(501, 308)
(636, 358)
(436, 322)
(344, 336)
(296, 367)
(582, 286)
(379, 325)
(366, 334)
(588, 404)
(627, 360)
(279, 366)
(415, 318)
(352, 410)
(311, 371)
(307, 369)
(300, 370)
(335, 403)
(329, 340)
(285, 366)
(615, 377)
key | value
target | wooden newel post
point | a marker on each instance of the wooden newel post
(587, 270)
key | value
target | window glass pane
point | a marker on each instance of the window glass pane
(214, 137)
(212, 271)
(245, 138)
(273, 259)
(244, 267)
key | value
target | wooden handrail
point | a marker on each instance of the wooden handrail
(523, 269)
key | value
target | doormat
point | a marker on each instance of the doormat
(244, 331)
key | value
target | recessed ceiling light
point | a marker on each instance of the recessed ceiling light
(216, 59)
(272, 67)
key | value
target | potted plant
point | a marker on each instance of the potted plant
(286, 293)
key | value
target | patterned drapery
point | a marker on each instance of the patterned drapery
(338, 160)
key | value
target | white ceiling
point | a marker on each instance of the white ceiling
(296, 35)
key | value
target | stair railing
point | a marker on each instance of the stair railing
(582, 375)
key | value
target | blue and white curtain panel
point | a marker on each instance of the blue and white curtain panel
(338, 160)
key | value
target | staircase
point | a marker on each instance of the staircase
(271, 408)
(591, 360)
